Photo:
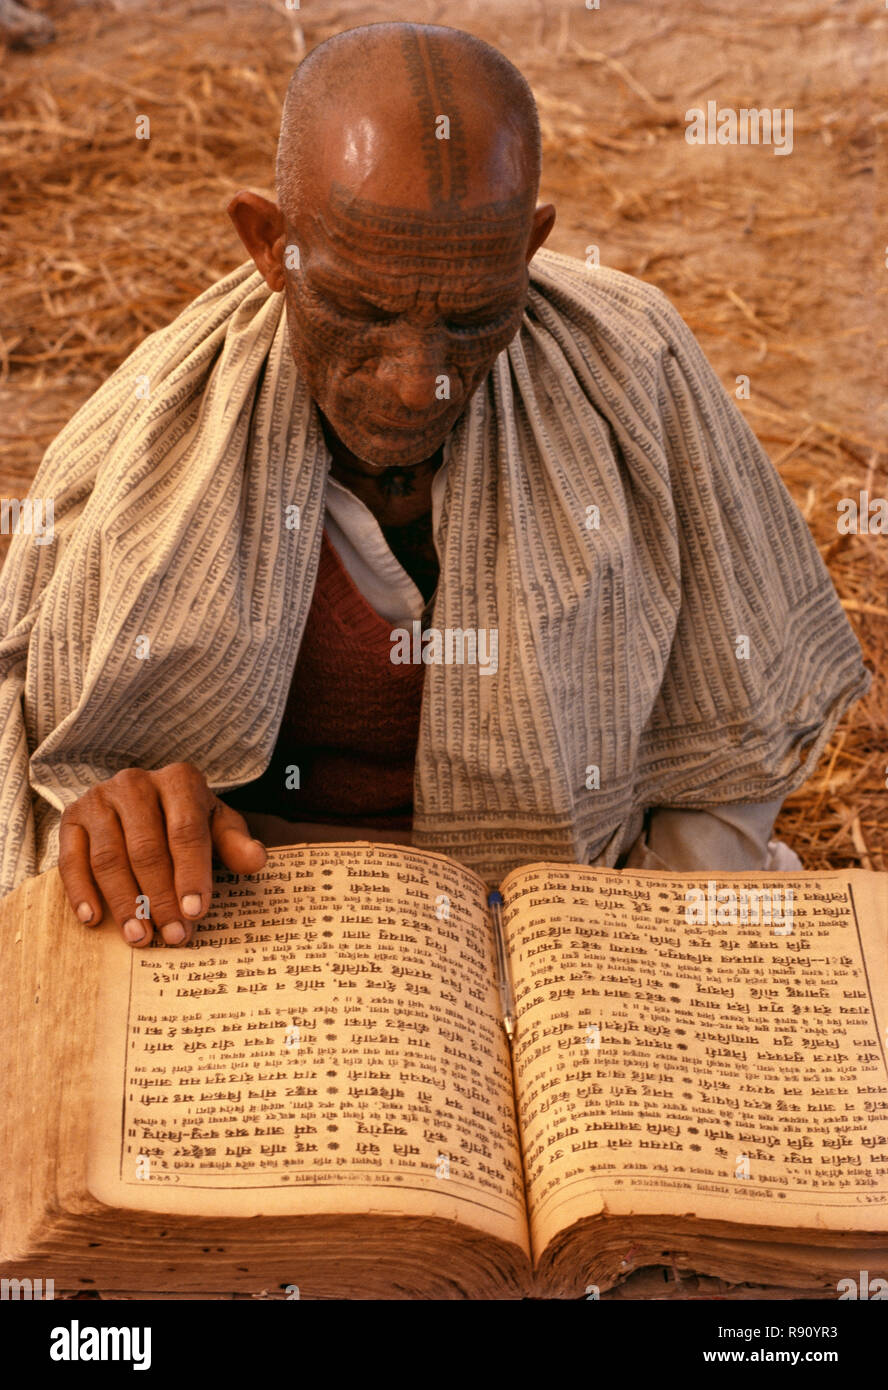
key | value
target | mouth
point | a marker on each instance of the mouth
(362, 418)
(382, 443)
(391, 427)
(406, 427)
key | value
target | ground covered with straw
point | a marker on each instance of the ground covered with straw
(778, 263)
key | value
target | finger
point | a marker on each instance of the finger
(79, 884)
(187, 806)
(110, 865)
(233, 842)
(136, 799)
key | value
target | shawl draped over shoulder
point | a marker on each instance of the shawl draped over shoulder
(667, 632)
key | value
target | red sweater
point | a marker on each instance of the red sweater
(351, 721)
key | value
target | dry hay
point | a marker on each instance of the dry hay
(777, 263)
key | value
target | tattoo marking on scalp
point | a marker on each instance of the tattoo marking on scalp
(446, 161)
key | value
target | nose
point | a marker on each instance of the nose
(415, 373)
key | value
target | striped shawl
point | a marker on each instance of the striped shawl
(620, 644)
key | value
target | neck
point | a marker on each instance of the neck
(393, 494)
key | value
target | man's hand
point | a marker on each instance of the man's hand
(151, 834)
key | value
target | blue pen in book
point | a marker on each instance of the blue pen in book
(507, 1001)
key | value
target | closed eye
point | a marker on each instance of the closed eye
(360, 311)
(464, 326)
(366, 313)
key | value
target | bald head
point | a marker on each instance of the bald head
(408, 116)
(407, 173)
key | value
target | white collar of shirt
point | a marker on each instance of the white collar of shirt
(358, 540)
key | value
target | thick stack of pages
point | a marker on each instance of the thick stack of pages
(318, 1094)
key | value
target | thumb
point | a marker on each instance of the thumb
(233, 843)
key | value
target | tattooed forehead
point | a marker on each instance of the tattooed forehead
(368, 232)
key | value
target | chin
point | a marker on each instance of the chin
(390, 454)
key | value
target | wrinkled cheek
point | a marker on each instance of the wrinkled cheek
(473, 367)
(324, 356)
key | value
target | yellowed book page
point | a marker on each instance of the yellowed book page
(678, 1053)
(329, 1043)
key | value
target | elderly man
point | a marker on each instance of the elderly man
(421, 532)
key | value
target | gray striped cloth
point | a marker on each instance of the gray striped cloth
(667, 632)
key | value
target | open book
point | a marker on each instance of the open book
(318, 1093)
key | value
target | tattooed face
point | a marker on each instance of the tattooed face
(411, 206)
(396, 316)
(413, 273)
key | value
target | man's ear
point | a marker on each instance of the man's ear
(543, 222)
(260, 225)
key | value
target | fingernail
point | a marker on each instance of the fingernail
(134, 930)
(173, 933)
(191, 904)
(84, 912)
